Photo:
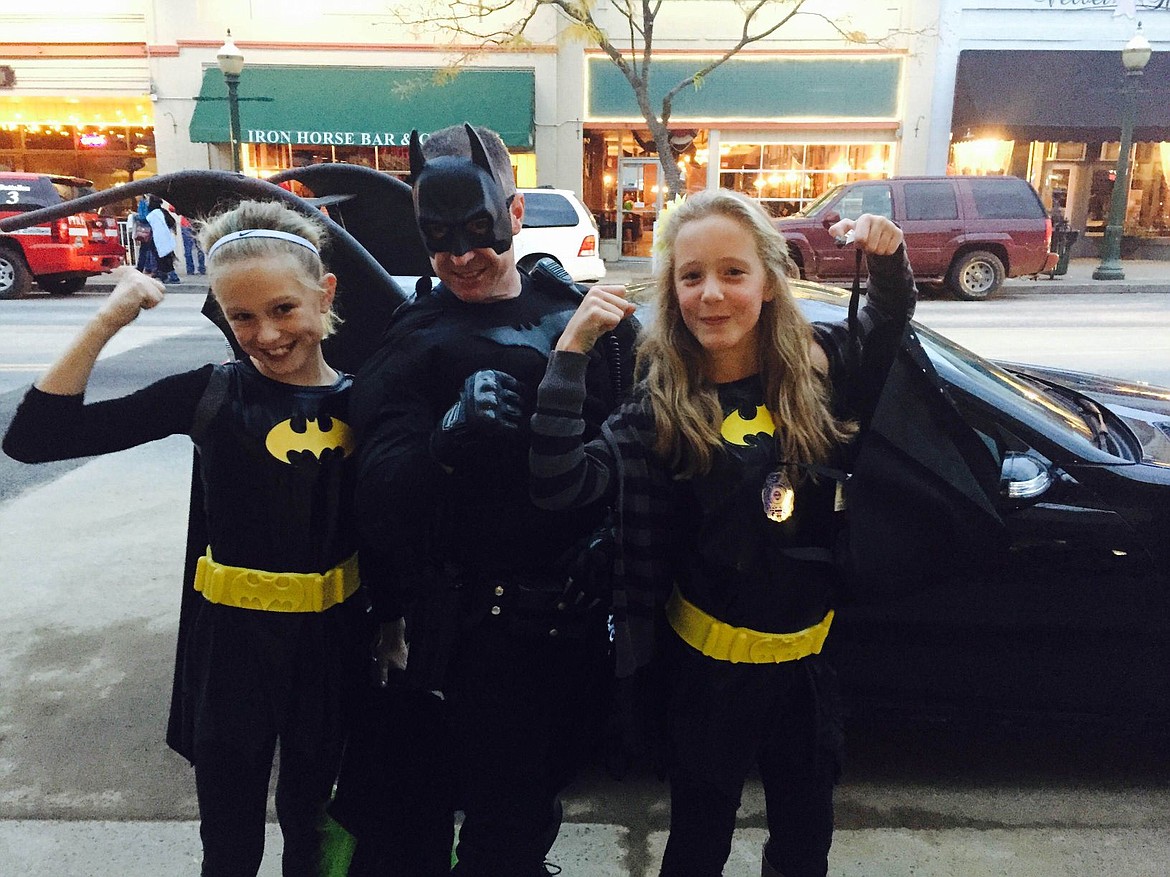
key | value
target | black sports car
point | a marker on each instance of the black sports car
(1075, 619)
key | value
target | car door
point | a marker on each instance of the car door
(1073, 619)
(835, 262)
(928, 212)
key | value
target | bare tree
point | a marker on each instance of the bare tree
(492, 24)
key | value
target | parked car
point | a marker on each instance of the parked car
(60, 256)
(967, 233)
(557, 224)
(1075, 620)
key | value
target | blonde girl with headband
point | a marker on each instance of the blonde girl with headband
(271, 636)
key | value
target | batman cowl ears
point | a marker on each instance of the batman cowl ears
(459, 203)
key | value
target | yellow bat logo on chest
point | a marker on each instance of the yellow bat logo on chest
(285, 439)
(736, 428)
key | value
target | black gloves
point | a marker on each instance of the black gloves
(590, 579)
(489, 407)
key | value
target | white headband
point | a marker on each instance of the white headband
(263, 233)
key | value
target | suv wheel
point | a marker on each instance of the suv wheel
(975, 275)
(61, 285)
(15, 278)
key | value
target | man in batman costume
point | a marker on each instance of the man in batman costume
(499, 666)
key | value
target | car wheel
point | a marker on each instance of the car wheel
(975, 275)
(61, 285)
(15, 278)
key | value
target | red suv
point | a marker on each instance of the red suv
(59, 255)
(967, 233)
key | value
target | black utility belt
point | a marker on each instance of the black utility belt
(529, 608)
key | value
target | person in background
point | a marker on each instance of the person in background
(147, 258)
(728, 520)
(163, 229)
(191, 249)
(277, 631)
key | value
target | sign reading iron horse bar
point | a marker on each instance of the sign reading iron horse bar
(329, 138)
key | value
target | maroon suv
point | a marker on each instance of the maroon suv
(968, 233)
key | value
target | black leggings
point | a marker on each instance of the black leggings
(232, 789)
(166, 265)
(798, 771)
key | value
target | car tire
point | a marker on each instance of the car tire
(975, 275)
(15, 278)
(61, 285)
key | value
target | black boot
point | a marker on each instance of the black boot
(766, 869)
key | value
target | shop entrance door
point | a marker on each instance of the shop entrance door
(1060, 186)
(638, 202)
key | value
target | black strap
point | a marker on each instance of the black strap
(619, 564)
(210, 402)
(853, 349)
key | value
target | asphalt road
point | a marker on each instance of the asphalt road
(89, 561)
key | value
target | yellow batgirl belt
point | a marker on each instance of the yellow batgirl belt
(275, 591)
(741, 645)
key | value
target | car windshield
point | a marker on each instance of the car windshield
(813, 206)
(69, 191)
(1033, 403)
(1004, 389)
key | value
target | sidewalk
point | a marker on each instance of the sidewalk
(1140, 276)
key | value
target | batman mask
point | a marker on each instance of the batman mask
(459, 204)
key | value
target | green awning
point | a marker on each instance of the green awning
(757, 89)
(364, 106)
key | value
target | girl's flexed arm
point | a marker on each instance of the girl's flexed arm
(70, 373)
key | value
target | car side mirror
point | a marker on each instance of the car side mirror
(1023, 477)
(831, 219)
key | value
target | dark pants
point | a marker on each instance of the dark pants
(394, 791)
(166, 266)
(232, 789)
(525, 716)
(192, 252)
(147, 261)
(519, 717)
(798, 773)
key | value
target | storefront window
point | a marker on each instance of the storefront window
(981, 157)
(1075, 181)
(106, 155)
(1066, 151)
(48, 138)
(787, 176)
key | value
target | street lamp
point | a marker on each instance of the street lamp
(1134, 58)
(231, 64)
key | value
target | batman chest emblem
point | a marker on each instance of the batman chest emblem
(736, 428)
(289, 440)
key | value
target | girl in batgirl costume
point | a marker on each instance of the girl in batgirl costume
(727, 529)
(273, 639)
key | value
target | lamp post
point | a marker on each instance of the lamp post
(231, 64)
(1134, 58)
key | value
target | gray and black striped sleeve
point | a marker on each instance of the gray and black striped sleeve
(565, 472)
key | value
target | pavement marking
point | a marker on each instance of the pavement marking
(23, 366)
